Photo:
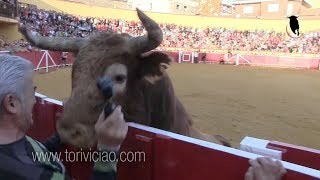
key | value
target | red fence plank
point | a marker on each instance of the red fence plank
(137, 170)
(257, 60)
(263, 60)
(174, 158)
(298, 155)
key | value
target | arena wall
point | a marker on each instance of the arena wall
(48, 60)
(10, 30)
(40, 4)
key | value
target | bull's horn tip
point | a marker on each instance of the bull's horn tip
(140, 13)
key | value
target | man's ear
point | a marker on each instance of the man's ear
(10, 104)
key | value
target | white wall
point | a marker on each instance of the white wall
(151, 5)
(161, 6)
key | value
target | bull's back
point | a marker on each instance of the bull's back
(183, 121)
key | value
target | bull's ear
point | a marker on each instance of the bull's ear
(152, 64)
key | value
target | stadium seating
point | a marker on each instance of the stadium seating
(175, 36)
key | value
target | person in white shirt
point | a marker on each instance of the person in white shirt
(196, 55)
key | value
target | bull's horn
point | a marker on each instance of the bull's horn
(148, 42)
(53, 43)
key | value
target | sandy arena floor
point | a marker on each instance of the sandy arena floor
(274, 104)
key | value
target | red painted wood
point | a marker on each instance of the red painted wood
(298, 155)
(260, 60)
(138, 170)
(34, 56)
(174, 159)
(42, 121)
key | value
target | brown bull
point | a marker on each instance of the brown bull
(141, 85)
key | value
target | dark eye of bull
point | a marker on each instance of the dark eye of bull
(120, 78)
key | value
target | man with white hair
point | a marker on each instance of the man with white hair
(17, 98)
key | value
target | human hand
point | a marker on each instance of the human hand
(111, 131)
(265, 168)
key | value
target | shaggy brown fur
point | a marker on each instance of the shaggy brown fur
(148, 98)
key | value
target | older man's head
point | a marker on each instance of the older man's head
(17, 93)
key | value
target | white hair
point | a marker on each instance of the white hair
(14, 73)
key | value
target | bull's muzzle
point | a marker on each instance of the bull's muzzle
(106, 87)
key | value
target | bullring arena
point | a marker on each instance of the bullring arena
(277, 104)
(273, 97)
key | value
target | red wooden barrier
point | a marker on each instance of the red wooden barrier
(167, 155)
(48, 60)
(179, 157)
(291, 153)
(254, 60)
(280, 61)
(299, 155)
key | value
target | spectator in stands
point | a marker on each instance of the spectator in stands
(12, 2)
(17, 98)
(51, 23)
(196, 54)
(29, 47)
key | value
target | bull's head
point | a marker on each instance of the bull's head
(118, 57)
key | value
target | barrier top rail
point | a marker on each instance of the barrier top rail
(243, 52)
(225, 51)
(237, 152)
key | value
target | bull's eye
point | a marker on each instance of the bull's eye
(120, 78)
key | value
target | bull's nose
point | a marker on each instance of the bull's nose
(105, 84)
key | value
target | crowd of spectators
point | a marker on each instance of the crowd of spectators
(12, 2)
(51, 23)
(8, 8)
(19, 45)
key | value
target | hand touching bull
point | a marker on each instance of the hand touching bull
(111, 131)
